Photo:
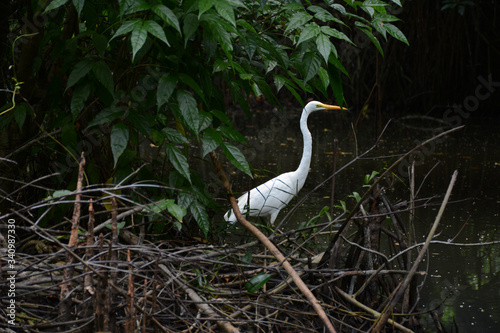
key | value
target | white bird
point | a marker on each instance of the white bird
(272, 196)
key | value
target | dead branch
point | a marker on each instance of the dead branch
(200, 303)
(65, 308)
(352, 299)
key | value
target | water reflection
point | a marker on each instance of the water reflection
(463, 282)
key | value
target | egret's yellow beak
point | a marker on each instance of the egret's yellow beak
(331, 107)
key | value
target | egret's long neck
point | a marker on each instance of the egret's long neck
(305, 162)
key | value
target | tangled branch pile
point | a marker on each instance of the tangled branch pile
(95, 283)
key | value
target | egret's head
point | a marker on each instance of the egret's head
(316, 106)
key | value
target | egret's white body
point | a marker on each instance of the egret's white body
(272, 196)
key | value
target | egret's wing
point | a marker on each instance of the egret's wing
(267, 198)
(272, 196)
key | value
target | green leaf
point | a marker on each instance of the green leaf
(221, 116)
(156, 30)
(380, 27)
(20, 112)
(396, 33)
(224, 8)
(336, 84)
(246, 76)
(178, 160)
(201, 216)
(294, 7)
(324, 211)
(189, 110)
(310, 66)
(343, 205)
(356, 196)
(266, 89)
(294, 92)
(138, 38)
(126, 6)
(187, 79)
(339, 8)
(322, 14)
(210, 141)
(279, 81)
(55, 4)
(370, 36)
(185, 199)
(310, 31)
(397, 2)
(61, 193)
(244, 24)
(257, 282)
(118, 226)
(106, 116)
(231, 134)
(324, 77)
(80, 70)
(139, 5)
(270, 65)
(166, 86)
(247, 258)
(119, 140)
(126, 27)
(190, 27)
(336, 62)
(236, 157)
(335, 33)
(368, 178)
(205, 121)
(256, 90)
(220, 65)
(220, 33)
(79, 98)
(324, 46)
(78, 6)
(174, 136)
(104, 76)
(177, 211)
(204, 5)
(386, 17)
(167, 204)
(376, 4)
(167, 15)
(369, 9)
(297, 20)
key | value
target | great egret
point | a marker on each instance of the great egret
(272, 196)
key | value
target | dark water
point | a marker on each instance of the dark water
(463, 284)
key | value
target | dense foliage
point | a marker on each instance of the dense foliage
(115, 78)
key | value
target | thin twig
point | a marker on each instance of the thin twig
(398, 292)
